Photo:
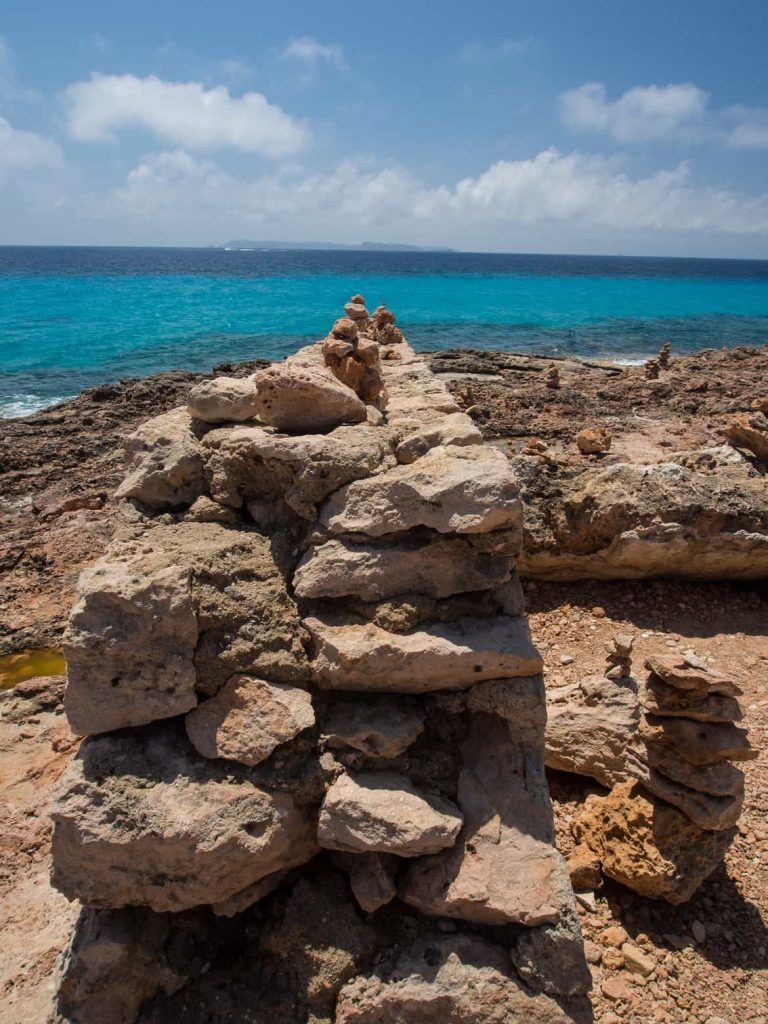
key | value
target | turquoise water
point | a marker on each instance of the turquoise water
(71, 318)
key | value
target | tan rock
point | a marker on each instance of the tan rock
(248, 719)
(648, 845)
(675, 670)
(383, 812)
(455, 979)
(438, 656)
(439, 568)
(583, 868)
(636, 960)
(662, 699)
(130, 646)
(614, 936)
(503, 867)
(453, 429)
(593, 440)
(451, 490)
(377, 727)
(722, 779)
(305, 398)
(223, 400)
(697, 742)
(164, 462)
(371, 878)
(356, 311)
(749, 430)
(703, 809)
(251, 894)
(140, 819)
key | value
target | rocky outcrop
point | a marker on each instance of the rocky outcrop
(165, 466)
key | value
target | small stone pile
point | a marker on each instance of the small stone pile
(306, 651)
(664, 354)
(552, 378)
(652, 369)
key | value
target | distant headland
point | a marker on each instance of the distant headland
(247, 243)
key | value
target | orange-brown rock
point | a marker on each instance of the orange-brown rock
(749, 430)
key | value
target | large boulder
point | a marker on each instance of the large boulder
(451, 490)
(504, 867)
(439, 568)
(248, 719)
(305, 398)
(648, 845)
(141, 820)
(164, 462)
(438, 656)
(383, 812)
(446, 979)
(223, 400)
(130, 645)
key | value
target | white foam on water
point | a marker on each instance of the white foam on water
(630, 362)
(25, 405)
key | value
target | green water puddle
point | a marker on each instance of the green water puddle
(15, 668)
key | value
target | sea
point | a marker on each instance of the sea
(74, 317)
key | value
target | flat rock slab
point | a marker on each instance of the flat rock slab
(454, 429)
(451, 490)
(305, 398)
(700, 743)
(660, 698)
(504, 867)
(248, 719)
(447, 566)
(130, 646)
(439, 656)
(456, 979)
(678, 673)
(141, 820)
(383, 812)
(382, 727)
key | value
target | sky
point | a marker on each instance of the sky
(601, 126)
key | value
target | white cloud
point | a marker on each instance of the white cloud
(751, 131)
(12, 91)
(565, 190)
(182, 113)
(481, 52)
(311, 51)
(639, 115)
(21, 150)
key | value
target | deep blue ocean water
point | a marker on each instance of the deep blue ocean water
(74, 317)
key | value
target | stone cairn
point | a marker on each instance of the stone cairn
(665, 749)
(663, 357)
(307, 644)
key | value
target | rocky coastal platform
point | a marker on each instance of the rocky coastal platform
(650, 684)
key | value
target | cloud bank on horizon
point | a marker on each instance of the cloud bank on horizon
(298, 138)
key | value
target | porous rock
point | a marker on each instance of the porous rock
(248, 718)
(377, 727)
(451, 490)
(454, 429)
(438, 656)
(455, 979)
(440, 568)
(305, 398)
(140, 819)
(164, 461)
(749, 430)
(649, 846)
(383, 812)
(223, 400)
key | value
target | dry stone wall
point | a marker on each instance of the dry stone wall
(307, 642)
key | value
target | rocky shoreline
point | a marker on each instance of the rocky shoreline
(61, 468)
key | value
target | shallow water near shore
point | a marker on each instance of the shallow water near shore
(71, 318)
(16, 668)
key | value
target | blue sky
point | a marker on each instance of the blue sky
(554, 126)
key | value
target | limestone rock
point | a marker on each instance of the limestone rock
(589, 728)
(593, 441)
(247, 462)
(371, 878)
(583, 868)
(648, 845)
(438, 656)
(305, 399)
(440, 568)
(703, 809)
(383, 812)
(223, 400)
(355, 361)
(378, 727)
(248, 718)
(660, 698)
(454, 429)
(504, 867)
(722, 779)
(140, 819)
(117, 960)
(700, 743)
(451, 490)
(130, 646)
(164, 460)
(678, 672)
(455, 979)
(749, 430)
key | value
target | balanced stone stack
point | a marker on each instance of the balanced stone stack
(307, 642)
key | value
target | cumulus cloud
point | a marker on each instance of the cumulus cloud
(21, 150)
(569, 190)
(182, 113)
(311, 51)
(751, 130)
(641, 114)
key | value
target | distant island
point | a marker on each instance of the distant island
(247, 243)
